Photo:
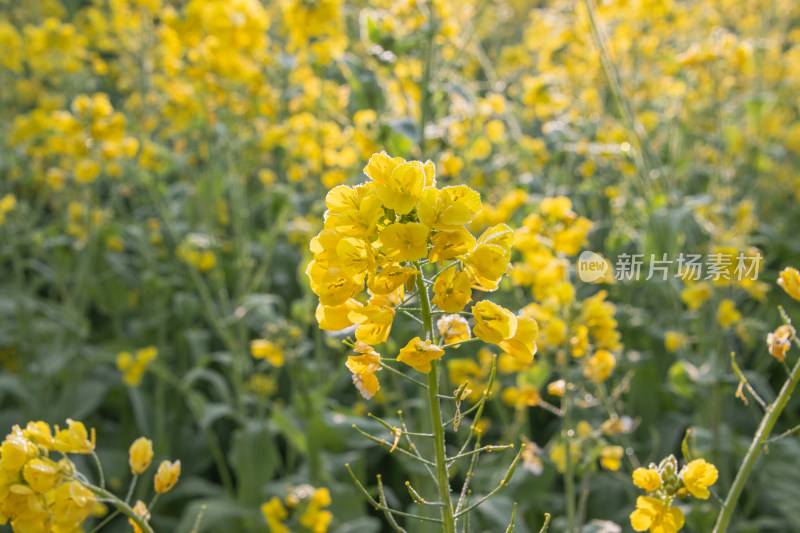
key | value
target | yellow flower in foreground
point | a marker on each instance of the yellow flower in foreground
(493, 323)
(653, 515)
(698, 476)
(522, 345)
(789, 281)
(452, 291)
(268, 350)
(166, 476)
(780, 341)
(139, 455)
(405, 242)
(363, 368)
(418, 354)
(646, 479)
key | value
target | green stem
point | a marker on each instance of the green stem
(756, 447)
(120, 505)
(440, 458)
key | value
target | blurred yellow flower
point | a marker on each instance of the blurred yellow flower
(647, 479)
(697, 476)
(166, 476)
(139, 455)
(789, 281)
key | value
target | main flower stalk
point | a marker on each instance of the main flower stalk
(440, 459)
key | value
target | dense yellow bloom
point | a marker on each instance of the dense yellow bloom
(166, 476)
(374, 323)
(418, 354)
(599, 366)
(453, 329)
(363, 368)
(139, 455)
(267, 350)
(452, 290)
(314, 518)
(647, 479)
(493, 323)
(653, 515)
(697, 476)
(780, 341)
(405, 242)
(789, 280)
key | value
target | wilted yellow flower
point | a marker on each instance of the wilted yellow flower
(697, 476)
(789, 281)
(140, 509)
(139, 455)
(166, 476)
(418, 354)
(647, 479)
(363, 368)
(654, 515)
(453, 328)
(780, 341)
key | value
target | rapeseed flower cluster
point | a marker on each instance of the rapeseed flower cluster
(301, 510)
(379, 235)
(38, 492)
(664, 483)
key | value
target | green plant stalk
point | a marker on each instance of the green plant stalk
(440, 458)
(773, 411)
(120, 505)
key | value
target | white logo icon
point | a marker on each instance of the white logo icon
(591, 267)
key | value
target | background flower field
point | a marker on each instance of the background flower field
(165, 166)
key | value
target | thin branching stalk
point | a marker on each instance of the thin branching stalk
(773, 412)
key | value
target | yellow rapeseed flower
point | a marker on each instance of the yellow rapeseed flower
(697, 476)
(654, 515)
(139, 455)
(789, 281)
(418, 354)
(647, 479)
(166, 476)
